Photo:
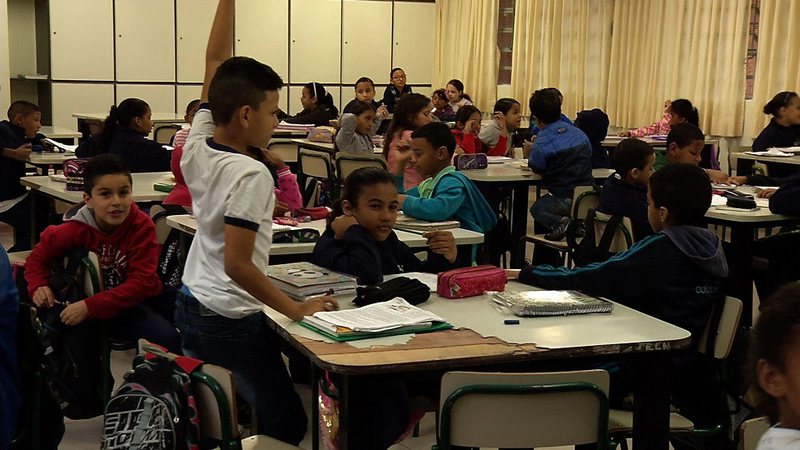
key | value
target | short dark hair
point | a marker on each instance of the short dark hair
(240, 81)
(630, 154)
(105, 164)
(463, 114)
(685, 190)
(364, 80)
(359, 107)
(438, 135)
(192, 104)
(356, 182)
(684, 134)
(780, 100)
(773, 336)
(439, 93)
(555, 91)
(684, 108)
(504, 105)
(545, 106)
(22, 107)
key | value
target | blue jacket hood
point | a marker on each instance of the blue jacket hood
(701, 246)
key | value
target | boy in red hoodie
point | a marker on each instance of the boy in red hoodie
(124, 238)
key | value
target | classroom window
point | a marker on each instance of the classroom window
(752, 49)
(505, 40)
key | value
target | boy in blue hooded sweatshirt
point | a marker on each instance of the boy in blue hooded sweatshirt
(444, 194)
(675, 275)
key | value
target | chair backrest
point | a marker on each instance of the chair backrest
(315, 164)
(164, 133)
(480, 409)
(159, 214)
(623, 239)
(760, 168)
(751, 430)
(93, 279)
(726, 329)
(286, 150)
(346, 163)
(583, 199)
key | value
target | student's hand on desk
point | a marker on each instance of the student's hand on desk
(341, 224)
(316, 304)
(75, 313)
(443, 243)
(20, 153)
(273, 158)
(717, 176)
(512, 274)
(766, 193)
(738, 180)
(527, 146)
(625, 133)
(44, 297)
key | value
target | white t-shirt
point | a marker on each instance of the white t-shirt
(777, 438)
(230, 188)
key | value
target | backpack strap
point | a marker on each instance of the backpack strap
(609, 232)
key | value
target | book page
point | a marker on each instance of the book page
(379, 316)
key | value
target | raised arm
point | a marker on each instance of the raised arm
(220, 43)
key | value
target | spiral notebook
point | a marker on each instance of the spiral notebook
(551, 303)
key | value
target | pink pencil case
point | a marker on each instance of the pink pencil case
(470, 281)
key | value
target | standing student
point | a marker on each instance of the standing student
(125, 133)
(397, 88)
(180, 136)
(775, 368)
(784, 128)
(455, 95)
(441, 108)
(357, 128)
(656, 128)
(18, 135)
(467, 129)
(413, 111)
(318, 107)
(219, 308)
(365, 92)
(535, 128)
(496, 137)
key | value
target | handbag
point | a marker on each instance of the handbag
(470, 281)
(411, 290)
(322, 134)
(469, 161)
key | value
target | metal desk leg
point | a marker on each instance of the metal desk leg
(519, 223)
(315, 377)
(651, 405)
(740, 265)
(344, 405)
(34, 235)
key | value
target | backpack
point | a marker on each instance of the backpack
(153, 409)
(72, 354)
(588, 249)
(172, 258)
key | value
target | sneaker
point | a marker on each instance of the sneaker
(558, 233)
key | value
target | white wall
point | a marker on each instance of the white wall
(5, 84)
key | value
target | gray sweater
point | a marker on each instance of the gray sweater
(348, 140)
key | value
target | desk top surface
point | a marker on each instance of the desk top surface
(58, 133)
(612, 141)
(188, 224)
(480, 337)
(48, 158)
(794, 160)
(142, 187)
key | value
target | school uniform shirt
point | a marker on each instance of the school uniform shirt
(391, 95)
(360, 255)
(495, 142)
(321, 116)
(11, 170)
(468, 142)
(138, 152)
(778, 438)
(777, 135)
(629, 200)
(456, 105)
(786, 200)
(128, 259)
(349, 140)
(563, 155)
(10, 393)
(227, 188)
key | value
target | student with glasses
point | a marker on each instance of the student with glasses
(397, 88)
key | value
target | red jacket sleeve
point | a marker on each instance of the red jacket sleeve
(500, 148)
(56, 241)
(288, 191)
(471, 144)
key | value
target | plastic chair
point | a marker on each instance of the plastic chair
(517, 410)
(346, 163)
(159, 214)
(215, 393)
(621, 422)
(286, 150)
(751, 430)
(164, 133)
(317, 165)
(623, 238)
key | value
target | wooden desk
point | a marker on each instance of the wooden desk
(188, 224)
(60, 133)
(480, 341)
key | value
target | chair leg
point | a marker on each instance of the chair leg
(415, 433)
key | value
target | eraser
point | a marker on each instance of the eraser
(511, 322)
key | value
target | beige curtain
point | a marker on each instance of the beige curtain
(466, 37)
(681, 48)
(564, 44)
(778, 56)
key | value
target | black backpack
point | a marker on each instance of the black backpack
(584, 248)
(72, 354)
(172, 258)
(153, 409)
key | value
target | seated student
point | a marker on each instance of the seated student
(360, 240)
(675, 275)
(413, 111)
(125, 133)
(467, 129)
(456, 98)
(594, 123)
(365, 92)
(444, 194)
(682, 111)
(18, 135)
(563, 118)
(219, 309)
(496, 137)
(786, 200)
(656, 128)
(775, 368)
(180, 136)
(441, 108)
(625, 192)
(562, 154)
(357, 128)
(396, 89)
(784, 128)
(684, 144)
(10, 394)
(124, 238)
(318, 107)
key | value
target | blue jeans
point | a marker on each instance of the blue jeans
(549, 210)
(251, 350)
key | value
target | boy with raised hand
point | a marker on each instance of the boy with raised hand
(219, 309)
